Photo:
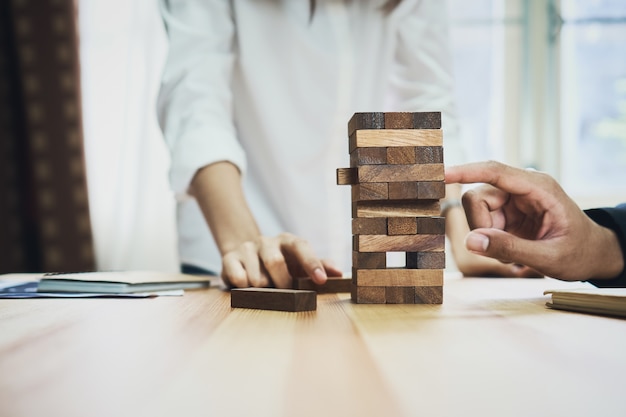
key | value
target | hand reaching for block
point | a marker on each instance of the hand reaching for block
(274, 260)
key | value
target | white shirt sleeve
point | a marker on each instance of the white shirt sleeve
(422, 78)
(195, 104)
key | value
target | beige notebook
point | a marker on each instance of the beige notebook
(120, 282)
(605, 301)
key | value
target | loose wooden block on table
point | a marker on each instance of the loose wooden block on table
(332, 285)
(395, 137)
(396, 208)
(347, 176)
(397, 277)
(400, 173)
(425, 260)
(369, 260)
(370, 191)
(273, 299)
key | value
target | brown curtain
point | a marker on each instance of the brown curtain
(44, 213)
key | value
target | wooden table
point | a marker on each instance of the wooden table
(492, 349)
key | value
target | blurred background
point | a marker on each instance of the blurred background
(539, 83)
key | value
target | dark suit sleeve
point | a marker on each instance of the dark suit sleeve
(614, 219)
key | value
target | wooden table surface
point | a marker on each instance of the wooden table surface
(492, 349)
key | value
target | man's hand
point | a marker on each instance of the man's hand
(274, 260)
(526, 218)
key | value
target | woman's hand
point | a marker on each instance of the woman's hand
(274, 261)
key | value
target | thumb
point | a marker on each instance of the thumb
(506, 247)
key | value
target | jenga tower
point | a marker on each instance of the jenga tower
(397, 178)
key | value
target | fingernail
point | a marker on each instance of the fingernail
(476, 242)
(319, 274)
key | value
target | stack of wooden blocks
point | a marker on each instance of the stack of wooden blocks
(397, 178)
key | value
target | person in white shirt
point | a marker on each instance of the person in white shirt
(254, 104)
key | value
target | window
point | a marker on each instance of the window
(543, 84)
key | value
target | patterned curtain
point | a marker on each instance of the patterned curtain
(44, 213)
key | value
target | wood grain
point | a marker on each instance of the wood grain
(404, 243)
(431, 225)
(370, 191)
(429, 295)
(399, 120)
(368, 295)
(407, 190)
(374, 120)
(368, 156)
(430, 190)
(332, 285)
(396, 208)
(425, 260)
(347, 176)
(401, 226)
(429, 154)
(398, 277)
(369, 260)
(400, 173)
(401, 155)
(273, 299)
(427, 120)
(400, 295)
(396, 137)
(369, 226)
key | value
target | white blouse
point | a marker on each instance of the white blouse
(263, 85)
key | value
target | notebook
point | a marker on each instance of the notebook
(120, 282)
(605, 301)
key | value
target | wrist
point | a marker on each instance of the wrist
(608, 262)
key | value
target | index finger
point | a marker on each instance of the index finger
(505, 177)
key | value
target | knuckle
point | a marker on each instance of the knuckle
(273, 261)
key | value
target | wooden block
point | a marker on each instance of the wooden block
(431, 225)
(400, 295)
(370, 191)
(403, 243)
(401, 155)
(398, 277)
(401, 226)
(400, 173)
(403, 190)
(429, 295)
(347, 176)
(395, 137)
(430, 190)
(273, 299)
(366, 121)
(399, 120)
(369, 226)
(333, 285)
(396, 208)
(429, 154)
(427, 120)
(369, 260)
(425, 260)
(368, 295)
(368, 156)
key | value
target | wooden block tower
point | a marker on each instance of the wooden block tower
(397, 178)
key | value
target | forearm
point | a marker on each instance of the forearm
(217, 188)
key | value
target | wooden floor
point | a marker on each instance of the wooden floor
(492, 349)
